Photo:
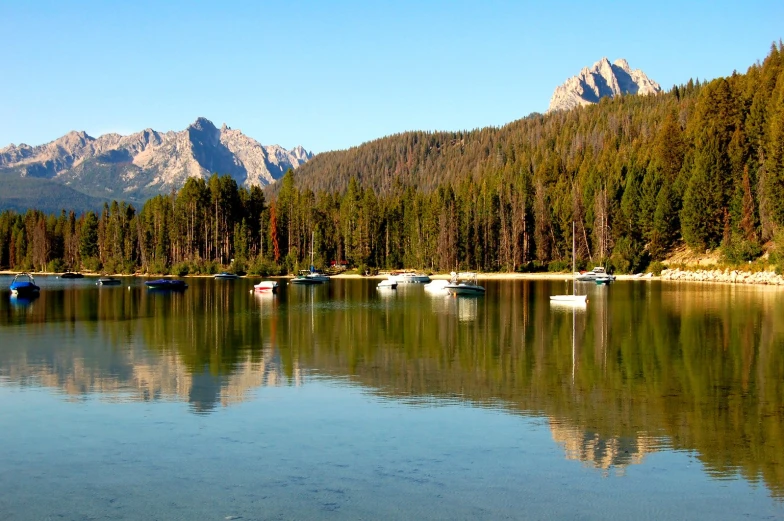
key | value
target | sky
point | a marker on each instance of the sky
(332, 75)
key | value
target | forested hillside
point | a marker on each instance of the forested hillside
(702, 163)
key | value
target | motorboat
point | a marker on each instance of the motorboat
(314, 274)
(24, 285)
(387, 284)
(266, 286)
(304, 280)
(464, 284)
(574, 299)
(71, 275)
(437, 286)
(167, 284)
(409, 278)
(226, 276)
(598, 273)
(108, 281)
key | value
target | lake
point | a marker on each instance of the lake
(656, 401)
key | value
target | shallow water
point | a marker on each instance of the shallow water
(657, 401)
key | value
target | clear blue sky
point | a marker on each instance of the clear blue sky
(333, 75)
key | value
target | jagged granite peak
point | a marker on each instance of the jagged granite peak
(603, 79)
(143, 164)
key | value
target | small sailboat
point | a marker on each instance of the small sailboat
(572, 299)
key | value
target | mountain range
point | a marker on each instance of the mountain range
(603, 79)
(138, 166)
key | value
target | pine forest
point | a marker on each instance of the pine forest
(700, 165)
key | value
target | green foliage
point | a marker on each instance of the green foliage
(560, 266)
(737, 250)
(181, 269)
(92, 264)
(656, 267)
(55, 266)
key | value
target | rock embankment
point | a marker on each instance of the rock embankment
(727, 275)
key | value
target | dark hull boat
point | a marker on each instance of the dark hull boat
(108, 281)
(23, 285)
(226, 276)
(166, 284)
(71, 275)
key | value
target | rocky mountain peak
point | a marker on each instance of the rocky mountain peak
(146, 163)
(603, 79)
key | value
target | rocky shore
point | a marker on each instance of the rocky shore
(726, 275)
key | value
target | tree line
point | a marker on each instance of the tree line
(701, 164)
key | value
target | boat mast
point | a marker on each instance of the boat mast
(574, 269)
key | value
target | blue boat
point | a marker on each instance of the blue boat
(24, 288)
(167, 284)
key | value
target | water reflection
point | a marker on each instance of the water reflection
(644, 367)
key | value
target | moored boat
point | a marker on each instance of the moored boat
(437, 286)
(108, 281)
(574, 299)
(226, 276)
(464, 284)
(167, 284)
(304, 279)
(596, 274)
(266, 286)
(71, 275)
(387, 284)
(409, 278)
(568, 299)
(24, 285)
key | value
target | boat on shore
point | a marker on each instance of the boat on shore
(266, 286)
(226, 276)
(464, 284)
(166, 284)
(24, 285)
(108, 281)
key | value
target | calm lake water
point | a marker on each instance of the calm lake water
(657, 401)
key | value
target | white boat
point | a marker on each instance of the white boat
(317, 276)
(266, 286)
(387, 284)
(437, 286)
(409, 278)
(568, 299)
(598, 273)
(464, 284)
(313, 275)
(573, 299)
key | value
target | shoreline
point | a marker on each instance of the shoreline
(436, 276)
(735, 277)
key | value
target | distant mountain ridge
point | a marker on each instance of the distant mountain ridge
(603, 79)
(144, 164)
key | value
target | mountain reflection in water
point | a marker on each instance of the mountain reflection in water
(644, 368)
